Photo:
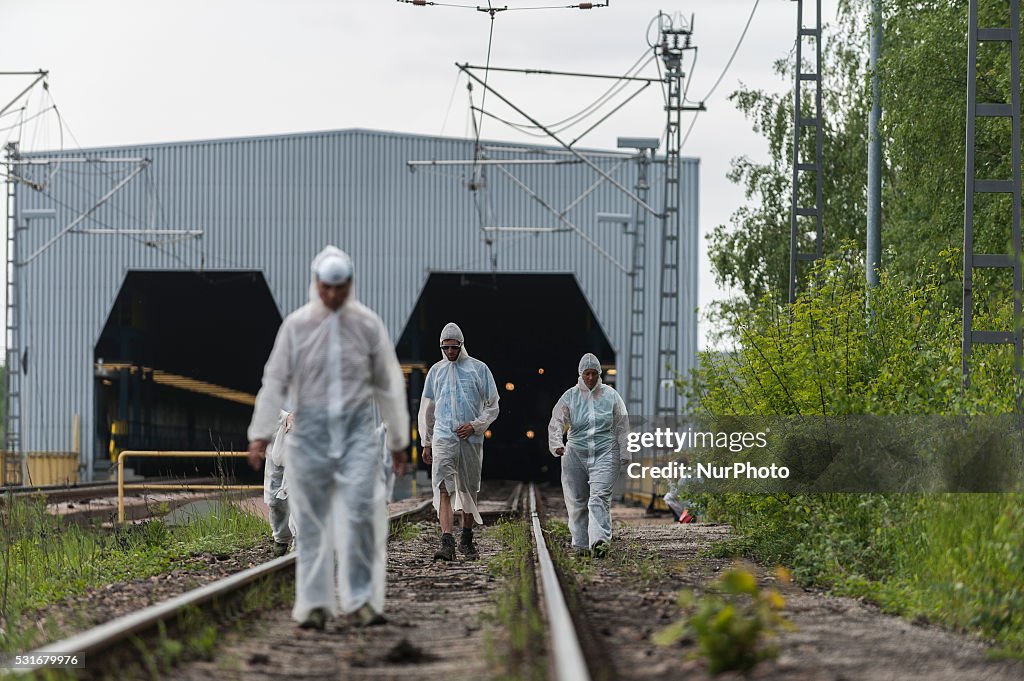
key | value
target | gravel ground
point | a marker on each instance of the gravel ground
(434, 628)
(835, 639)
(436, 612)
(435, 621)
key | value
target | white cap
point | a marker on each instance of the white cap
(334, 270)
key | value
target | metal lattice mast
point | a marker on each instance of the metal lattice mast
(799, 122)
(974, 186)
(638, 293)
(674, 41)
(12, 468)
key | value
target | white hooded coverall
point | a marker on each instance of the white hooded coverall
(456, 393)
(332, 366)
(598, 428)
(275, 485)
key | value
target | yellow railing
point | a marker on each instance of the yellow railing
(121, 486)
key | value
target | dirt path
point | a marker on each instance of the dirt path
(631, 595)
(434, 628)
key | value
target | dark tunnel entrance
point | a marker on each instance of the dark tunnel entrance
(178, 366)
(531, 330)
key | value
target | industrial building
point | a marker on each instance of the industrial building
(151, 279)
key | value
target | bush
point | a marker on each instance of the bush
(953, 558)
(731, 623)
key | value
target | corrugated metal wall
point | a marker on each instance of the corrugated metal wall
(271, 203)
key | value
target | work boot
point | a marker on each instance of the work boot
(600, 549)
(466, 545)
(366, 616)
(447, 550)
(316, 619)
(280, 548)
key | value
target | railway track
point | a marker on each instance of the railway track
(596, 620)
(441, 617)
(89, 502)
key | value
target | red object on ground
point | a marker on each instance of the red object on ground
(686, 517)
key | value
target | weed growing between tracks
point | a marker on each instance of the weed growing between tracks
(626, 556)
(405, 530)
(516, 651)
(732, 622)
(44, 559)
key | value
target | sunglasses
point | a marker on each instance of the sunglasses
(450, 347)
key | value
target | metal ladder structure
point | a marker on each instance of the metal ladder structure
(799, 122)
(972, 186)
(12, 454)
(667, 402)
(638, 292)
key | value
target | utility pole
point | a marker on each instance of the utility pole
(13, 460)
(674, 42)
(800, 122)
(874, 241)
(638, 274)
(14, 468)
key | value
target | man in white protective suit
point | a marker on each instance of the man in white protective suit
(459, 403)
(275, 487)
(598, 429)
(333, 360)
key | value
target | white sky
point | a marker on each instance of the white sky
(129, 72)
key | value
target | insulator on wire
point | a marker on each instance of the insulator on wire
(420, 3)
(586, 5)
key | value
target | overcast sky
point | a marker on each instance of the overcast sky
(129, 72)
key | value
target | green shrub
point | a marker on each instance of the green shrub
(731, 623)
(953, 558)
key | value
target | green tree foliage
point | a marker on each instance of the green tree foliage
(827, 355)
(752, 254)
(923, 74)
(950, 558)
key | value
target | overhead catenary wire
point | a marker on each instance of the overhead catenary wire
(149, 243)
(12, 112)
(735, 51)
(483, 99)
(620, 83)
(689, 76)
(451, 101)
(494, 10)
(721, 76)
(591, 109)
(476, 182)
(524, 129)
(155, 206)
(60, 134)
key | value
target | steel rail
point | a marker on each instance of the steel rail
(566, 652)
(105, 636)
(80, 490)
